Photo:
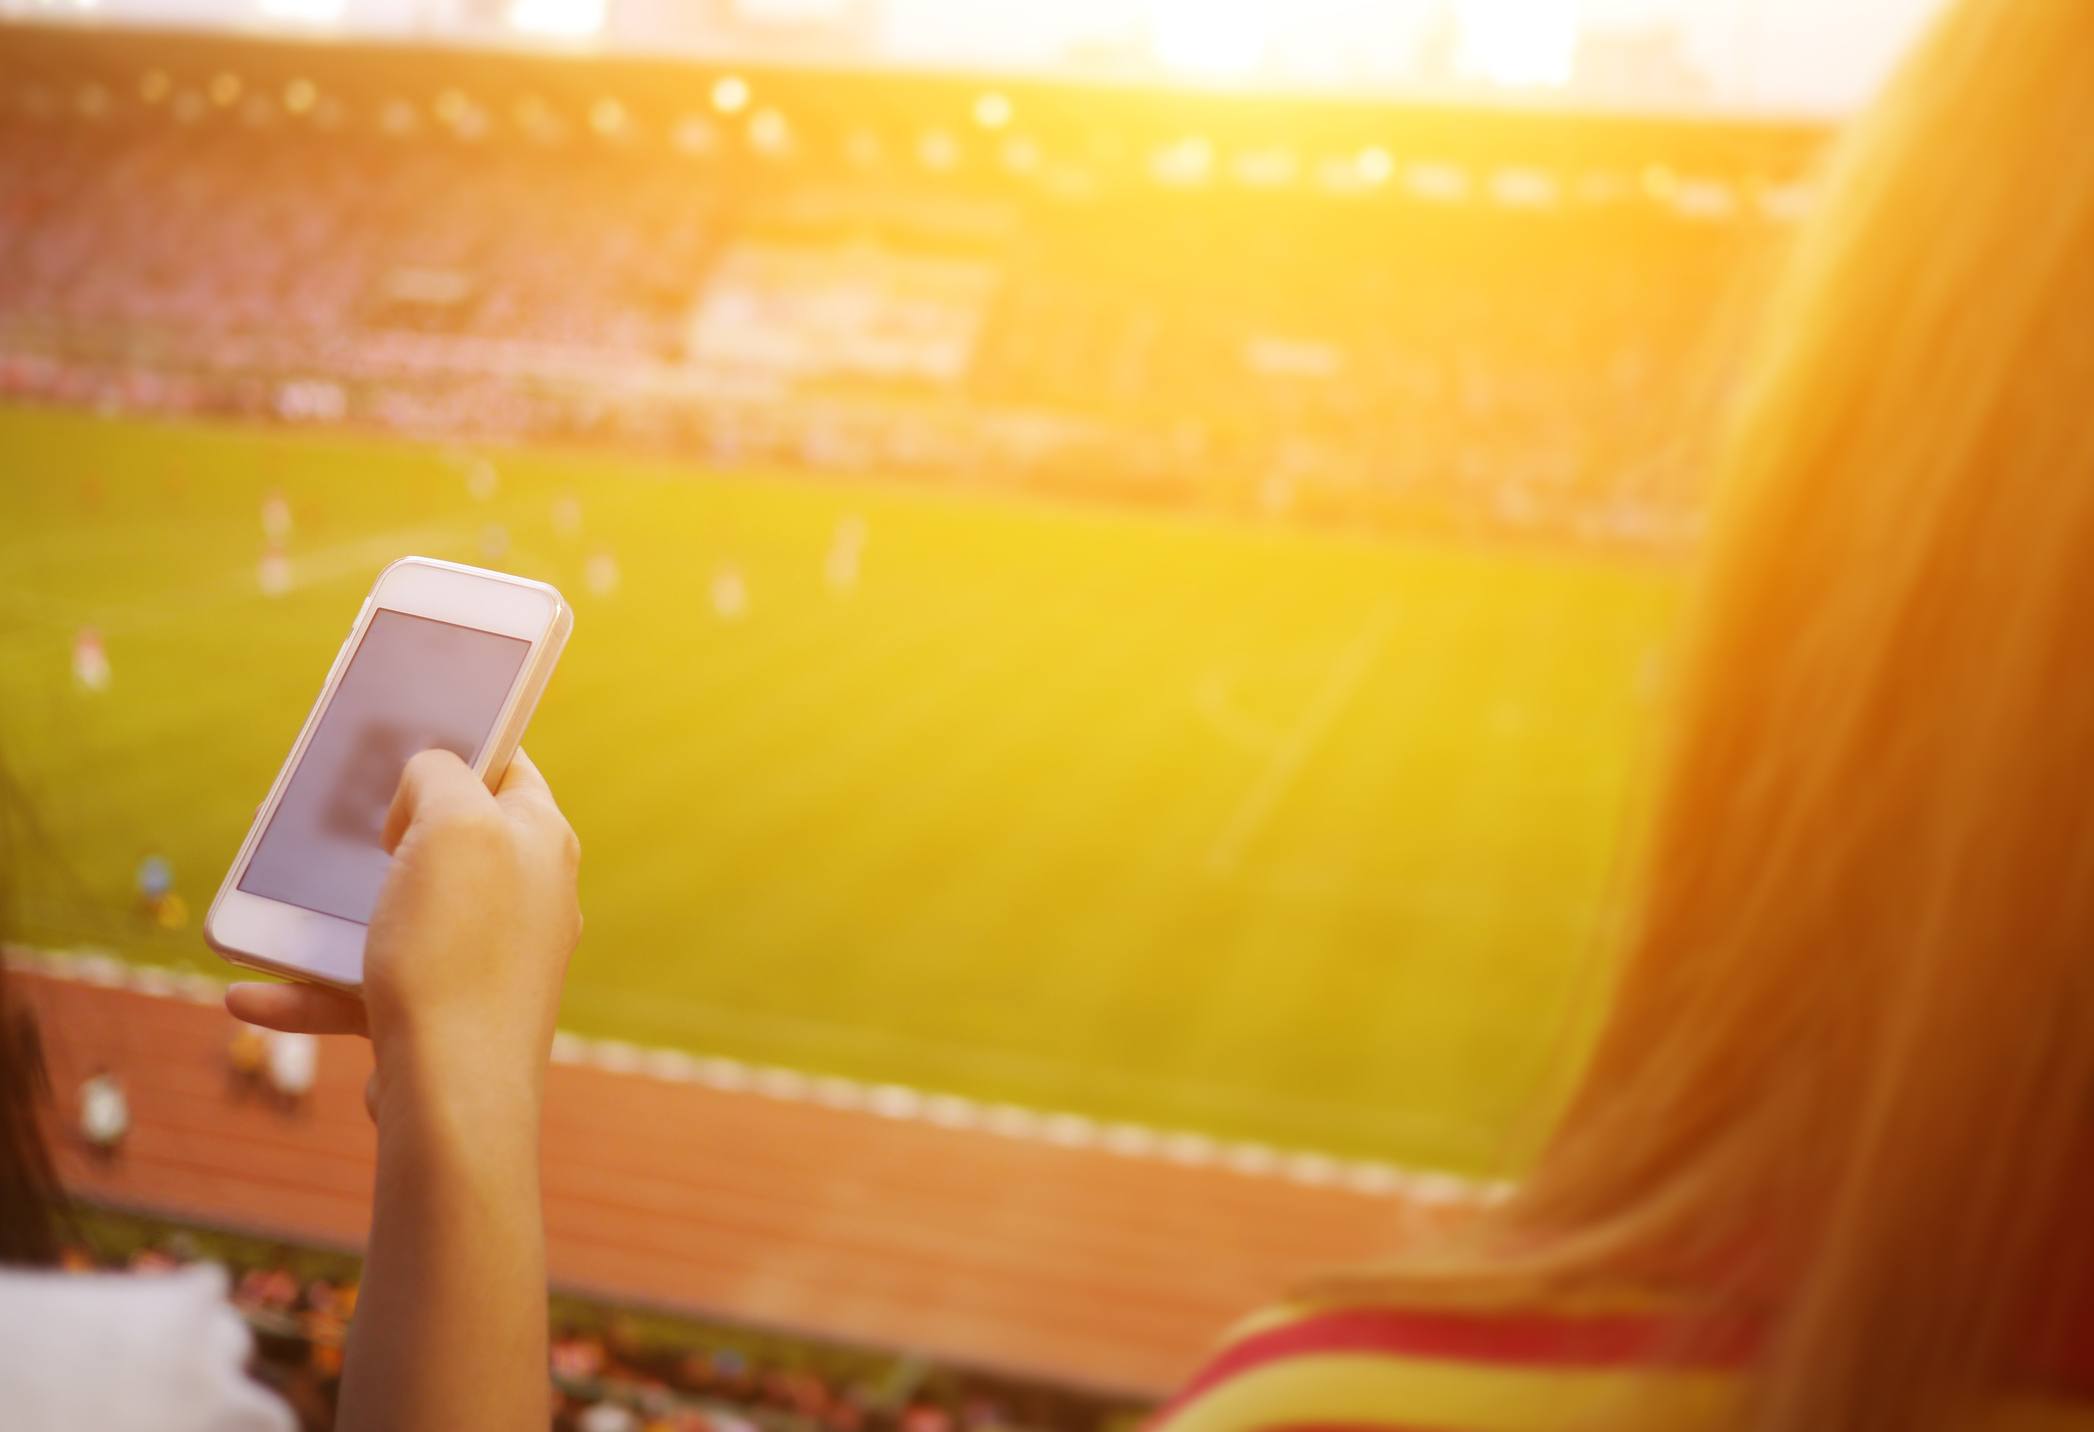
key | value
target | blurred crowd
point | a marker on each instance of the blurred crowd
(610, 1373)
(1509, 348)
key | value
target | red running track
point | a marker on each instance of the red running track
(1073, 1264)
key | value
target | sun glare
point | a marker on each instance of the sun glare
(1211, 39)
(304, 12)
(560, 19)
(1510, 43)
(1517, 43)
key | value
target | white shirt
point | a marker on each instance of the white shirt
(124, 1353)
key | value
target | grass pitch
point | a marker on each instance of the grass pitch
(1274, 835)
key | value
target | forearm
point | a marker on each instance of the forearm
(463, 963)
(450, 1331)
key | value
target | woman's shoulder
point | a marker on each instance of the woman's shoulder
(120, 1351)
(1619, 1359)
(1451, 1365)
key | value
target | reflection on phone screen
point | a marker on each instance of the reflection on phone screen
(414, 684)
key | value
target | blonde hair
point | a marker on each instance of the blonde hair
(1847, 1079)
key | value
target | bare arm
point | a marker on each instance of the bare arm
(450, 1320)
(467, 951)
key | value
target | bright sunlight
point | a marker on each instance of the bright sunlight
(1512, 43)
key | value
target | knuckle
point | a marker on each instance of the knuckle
(471, 827)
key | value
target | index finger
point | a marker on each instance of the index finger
(434, 780)
(297, 1008)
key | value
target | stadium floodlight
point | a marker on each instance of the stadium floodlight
(937, 150)
(1782, 203)
(1437, 182)
(1338, 174)
(536, 118)
(1523, 187)
(769, 134)
(1187, 162)
(1601, 186)
(1021, 155)
(862, 148)
(730, 94)
(608, 117)
(694, 134)
(396, 117)
(992, 110)
(1272, 166)
(1707, 199)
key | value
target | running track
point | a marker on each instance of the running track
(1024, 1254)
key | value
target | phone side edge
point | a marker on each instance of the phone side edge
(502, 746)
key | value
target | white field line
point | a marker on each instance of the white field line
(899, 1102)
(1307, 733)
(1211, 699)
(367, 555)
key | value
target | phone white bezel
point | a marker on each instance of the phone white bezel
(284, 939)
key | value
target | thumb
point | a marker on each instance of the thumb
(431, 782)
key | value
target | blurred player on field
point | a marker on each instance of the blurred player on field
(293, 1065)
(846, 555)
(155, 881)
(90, 660)
(273, 572)
(730, 594)
(276, 518)
(105, 1114)
(246, 1054)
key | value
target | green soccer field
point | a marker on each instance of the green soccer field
(1269, 834)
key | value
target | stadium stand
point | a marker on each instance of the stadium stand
(614, 1369)
(1044, 286)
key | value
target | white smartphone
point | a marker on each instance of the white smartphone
(440, 655)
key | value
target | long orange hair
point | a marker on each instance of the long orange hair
(1847, 1079)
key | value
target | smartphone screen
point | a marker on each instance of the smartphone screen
(413, 684)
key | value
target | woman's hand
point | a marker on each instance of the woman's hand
(462, 973)
(468, 945)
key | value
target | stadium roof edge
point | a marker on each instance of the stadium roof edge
(1039, 99)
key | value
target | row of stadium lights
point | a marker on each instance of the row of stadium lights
(1190, 162)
